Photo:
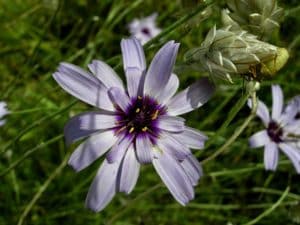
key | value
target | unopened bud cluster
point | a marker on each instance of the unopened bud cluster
(259, 17)
(231, 51)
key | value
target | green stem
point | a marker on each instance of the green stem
(179, 22)
(131, 203)
(29, 152)
(271, 209)
(43, 188)
(237, 132)
(37, 123)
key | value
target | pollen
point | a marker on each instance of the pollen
(131, 130)
(144, 129)
(155, 115)
(137, 110)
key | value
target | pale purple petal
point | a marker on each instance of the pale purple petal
(73, 129)
(134, 65)
(291, 110)
(174, 177)
(262, 111)
(171, 123)
(143, 147)
(271, 156)
(119, 97)
(293, 154)
(191, 138)
(192, 168)
(160, 69)
(118, 150)
(191, 98)
(91, 149)
(105, 74)
(167, 143)
(259, 139)
(82, 85)
(277, 106)
(169, 90)
(133, 54)
(293, 128)
(103, 188)
(96, 120)
(129, 171)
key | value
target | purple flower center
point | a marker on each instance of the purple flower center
(275, 132)
(146, 31)
(140, 118)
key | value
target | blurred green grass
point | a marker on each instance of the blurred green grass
(36, 35)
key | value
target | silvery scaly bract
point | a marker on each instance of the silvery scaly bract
(135, 124)
(260, 17)
(227, 52)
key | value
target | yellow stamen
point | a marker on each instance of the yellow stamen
(121, 129)
(140, 97)
(137, 110)
(155, 115)
(131, 130)
(144, 129)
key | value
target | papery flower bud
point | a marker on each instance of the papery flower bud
(260, 17)
(226, 52)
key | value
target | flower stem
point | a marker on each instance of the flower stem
(271, 209)
(43, 188)
(237, 132)
(29, 152)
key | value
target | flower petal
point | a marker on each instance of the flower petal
(143, 148)
(105, 74)
(169, 90)
(174, 177)
(259, 139)
(160, 69)
(271, 156)
(118, 150)
(262, 111)
(91, 149)
(192, 168)
(82, 85)
(96, 120)
(103, 187)
(291, 110)
(293, 154)
(129, 171)
(191, 98)
(277, 106)
(171, 123)
(134, 65)
(133, 54)
(191, 138)
(82, 125)
(173, 147)
(293, 128)
(119, 97)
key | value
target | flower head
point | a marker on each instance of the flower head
(282, 130)
(226, 52)
(3, 111)
(260, 17)
(144, 29)
(135, 125)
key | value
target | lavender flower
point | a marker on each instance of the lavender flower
(144, 29)
(3, 111)
(282, 130)
(134, 126)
